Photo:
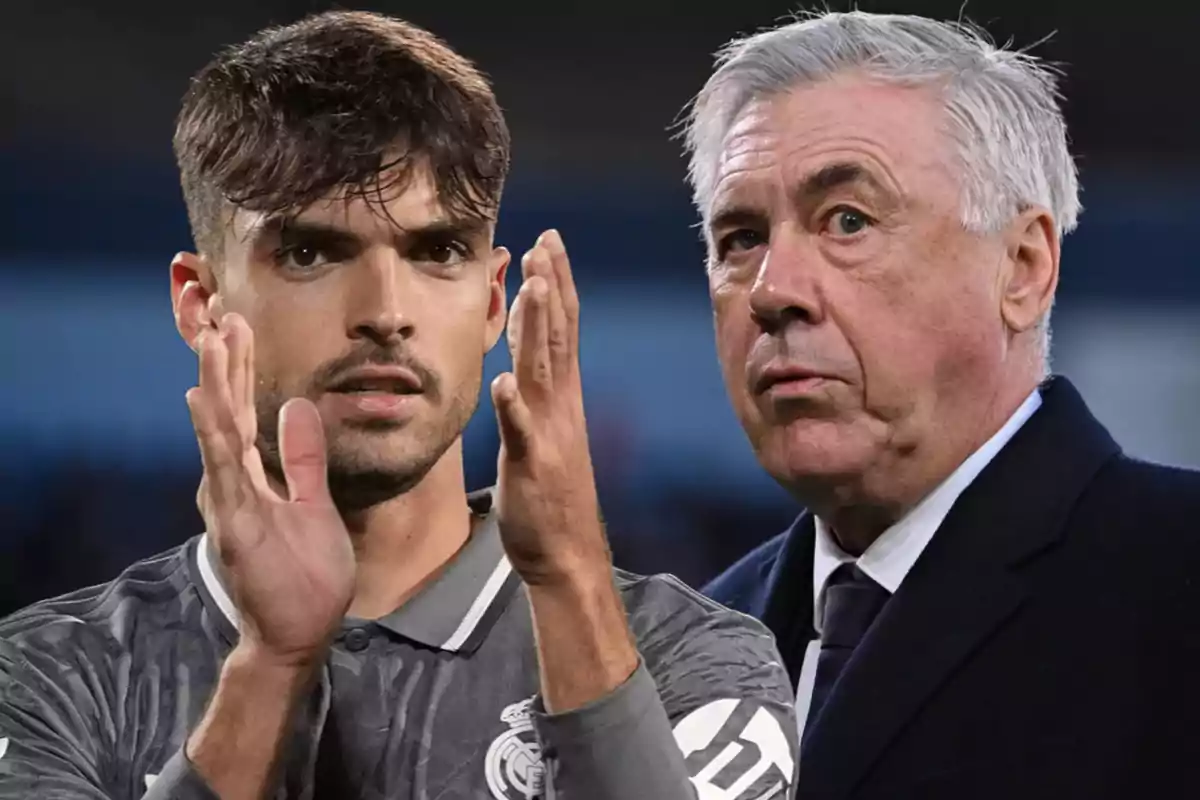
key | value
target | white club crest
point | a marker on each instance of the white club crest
(513, 766)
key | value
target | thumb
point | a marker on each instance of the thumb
(513, 416)
(302, 451)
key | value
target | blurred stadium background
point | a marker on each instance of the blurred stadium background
(97, 461)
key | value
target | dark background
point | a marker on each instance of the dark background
(97, 463)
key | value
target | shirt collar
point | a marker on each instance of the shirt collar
(452, 613)
(890, 557)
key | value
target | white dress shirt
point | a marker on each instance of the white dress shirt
(890, 557)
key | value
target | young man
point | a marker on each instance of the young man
(352, 624)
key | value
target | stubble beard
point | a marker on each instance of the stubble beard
(360, 475)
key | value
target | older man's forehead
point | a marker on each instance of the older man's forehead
(749, 147)
(752, 137)
(756, 154)
(881, 130)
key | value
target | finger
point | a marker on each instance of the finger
(302, 452)
(513, 416)
(235, 374)
(558, 339)
(252, 460)
(565, 281)
(512, 333)
(251, 375)
(536, 263)
(235, 425)
(531, 355)
(220, 462)
(214, 369)
(239, 339)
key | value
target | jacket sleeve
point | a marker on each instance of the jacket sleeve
(708, 714)
(52, 737)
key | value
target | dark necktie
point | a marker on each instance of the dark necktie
(852, 601)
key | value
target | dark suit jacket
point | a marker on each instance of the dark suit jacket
(1045, 645)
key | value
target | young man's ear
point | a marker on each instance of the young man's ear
(193, 296)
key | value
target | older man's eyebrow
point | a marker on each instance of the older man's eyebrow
(735, 216)
(831, 177)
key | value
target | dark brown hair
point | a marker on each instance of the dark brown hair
(338, 101)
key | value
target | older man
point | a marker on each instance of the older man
(987, 599)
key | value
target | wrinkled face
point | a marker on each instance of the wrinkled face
(854, 314)
(381, 315)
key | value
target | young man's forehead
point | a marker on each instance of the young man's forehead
(363, 214)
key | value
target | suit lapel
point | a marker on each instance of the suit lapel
(787, 609)
(966, 584)
(924, 632)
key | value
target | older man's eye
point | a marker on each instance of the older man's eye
(847, 221)
(739, 240)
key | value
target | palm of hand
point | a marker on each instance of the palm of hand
(291, 571)
(287, 556)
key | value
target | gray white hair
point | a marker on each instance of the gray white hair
(1006, 123)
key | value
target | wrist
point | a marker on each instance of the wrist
(565, 580)
(245, 727)
(585, 648)
(584, 600)
(256, 665)
(569, 569)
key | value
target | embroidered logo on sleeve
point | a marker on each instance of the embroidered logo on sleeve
(735, 750)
